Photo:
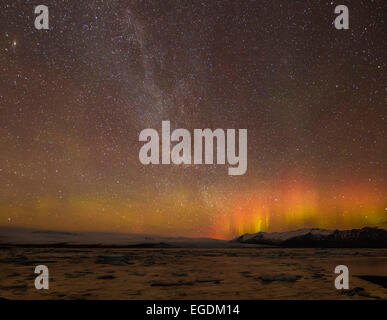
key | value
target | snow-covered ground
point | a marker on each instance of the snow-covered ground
(189, 273)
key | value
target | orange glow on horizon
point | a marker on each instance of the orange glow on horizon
(293, 204)
(302, 205)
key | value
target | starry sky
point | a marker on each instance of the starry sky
(74, 98)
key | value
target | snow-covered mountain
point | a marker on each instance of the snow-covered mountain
(278, 237)
(304, 238)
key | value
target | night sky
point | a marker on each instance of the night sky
(74, 98)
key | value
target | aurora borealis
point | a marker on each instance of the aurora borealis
(74, 98)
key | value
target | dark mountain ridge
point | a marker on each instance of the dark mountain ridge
(368, 237)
